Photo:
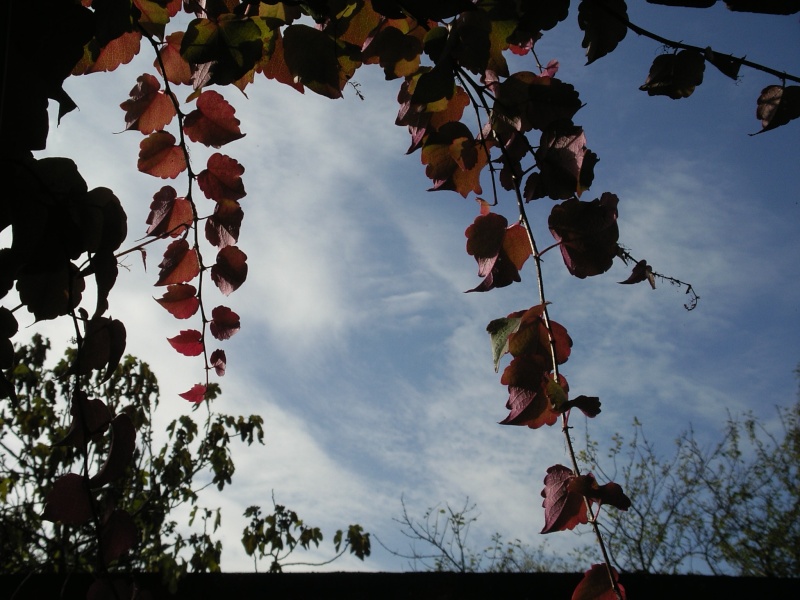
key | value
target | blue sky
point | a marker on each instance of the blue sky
(372, 368)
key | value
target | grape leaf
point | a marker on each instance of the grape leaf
(222, 178)
(160, 157)
(224, 323)
(213, 122)
(499, 330)
(230, 270)
(102, 58)
(169, 215)
(196, 395)
(675, 75)
(596, 585)
(176, 67)
(149, 108)
(219, 362)
(180, 300)
(587, 233)
(222, 228)
(68, 501)
(188, 342)
(609, 493)
(180, 264)
(603, 24)
(777, 105)
(563, 509)
(123, 443)
(566, 165)
(312, 59)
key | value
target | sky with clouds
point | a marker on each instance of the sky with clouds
(371, 366)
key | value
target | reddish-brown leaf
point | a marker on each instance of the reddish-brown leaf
(230, 270)
(90, 419)
(777, 105)
(169, 215)
(188, 342)
(222, 178)
(103, 346)
(563, 509)
(219, 362)
(180, 300)
(596, 585)
(180, 264)
(176, 67)
(213, 122)
(68, 501)
(160, 157)
(609, 493)
(222, 228)
(149, 108)
(123, 443)
(224, 323)
(117, 536)
(196, 395)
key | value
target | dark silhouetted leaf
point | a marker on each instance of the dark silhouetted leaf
(777, 105)
(675, 75)
(641, 272)
(90, 419)
(123, 443)
(611, 493)
(68, 501)
(596, 585)
(725, 64)
(103, 346)
(118, 535)
(603, 24)
(230, 270)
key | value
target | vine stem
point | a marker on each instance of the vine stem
(464, 78)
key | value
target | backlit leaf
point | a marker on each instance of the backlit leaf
(230, 270)
(180, 300)
(188, 342)
(596, 585)
(222, 228)
(196, 395)
(213, 122)
(499, 330)
(224, 323)
(180, 264)
(169, 215)
(219, 362)
(149, 108)
(563, 509)
(777, 105)
(222, 178)
(177, 69)
(159, 156)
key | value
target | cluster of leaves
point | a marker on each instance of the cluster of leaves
(448, 56)
(50, 520)
(277, 535)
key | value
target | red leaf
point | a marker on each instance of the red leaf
(178, 70)
(160, 157)
(222, 228)
(596, 585)
(123, 443)
(149, 108)
(563, 509)
(197, 394)
(169, 215)
(189, 342)
(609, 493)
(224, 323)
(68, 501)
(219, 362)
(230, 270)
(212, 123)
(180, 264)
(222, 179)
(180, 300)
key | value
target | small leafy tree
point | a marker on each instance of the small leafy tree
(40, 438)
(731, 507)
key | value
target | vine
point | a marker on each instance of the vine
(449, 56)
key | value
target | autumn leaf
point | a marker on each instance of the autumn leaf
(219, 362)
(563, 509)
(177, 69)
(180, 264)
(188, 342)
(159, 156)
(222, 228)
(777, 105)
(230, 270)
(213, 122)
(675, 75)
(169, 215)
(603, 24)
(149, 108)
(610, 493)
(566, 165)
(68, 501)
(180, 300)
(123, 444)
(596, 585)
(222, 178)
(196, 395)
(117, 536)
(499, 330)
(224, 323)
